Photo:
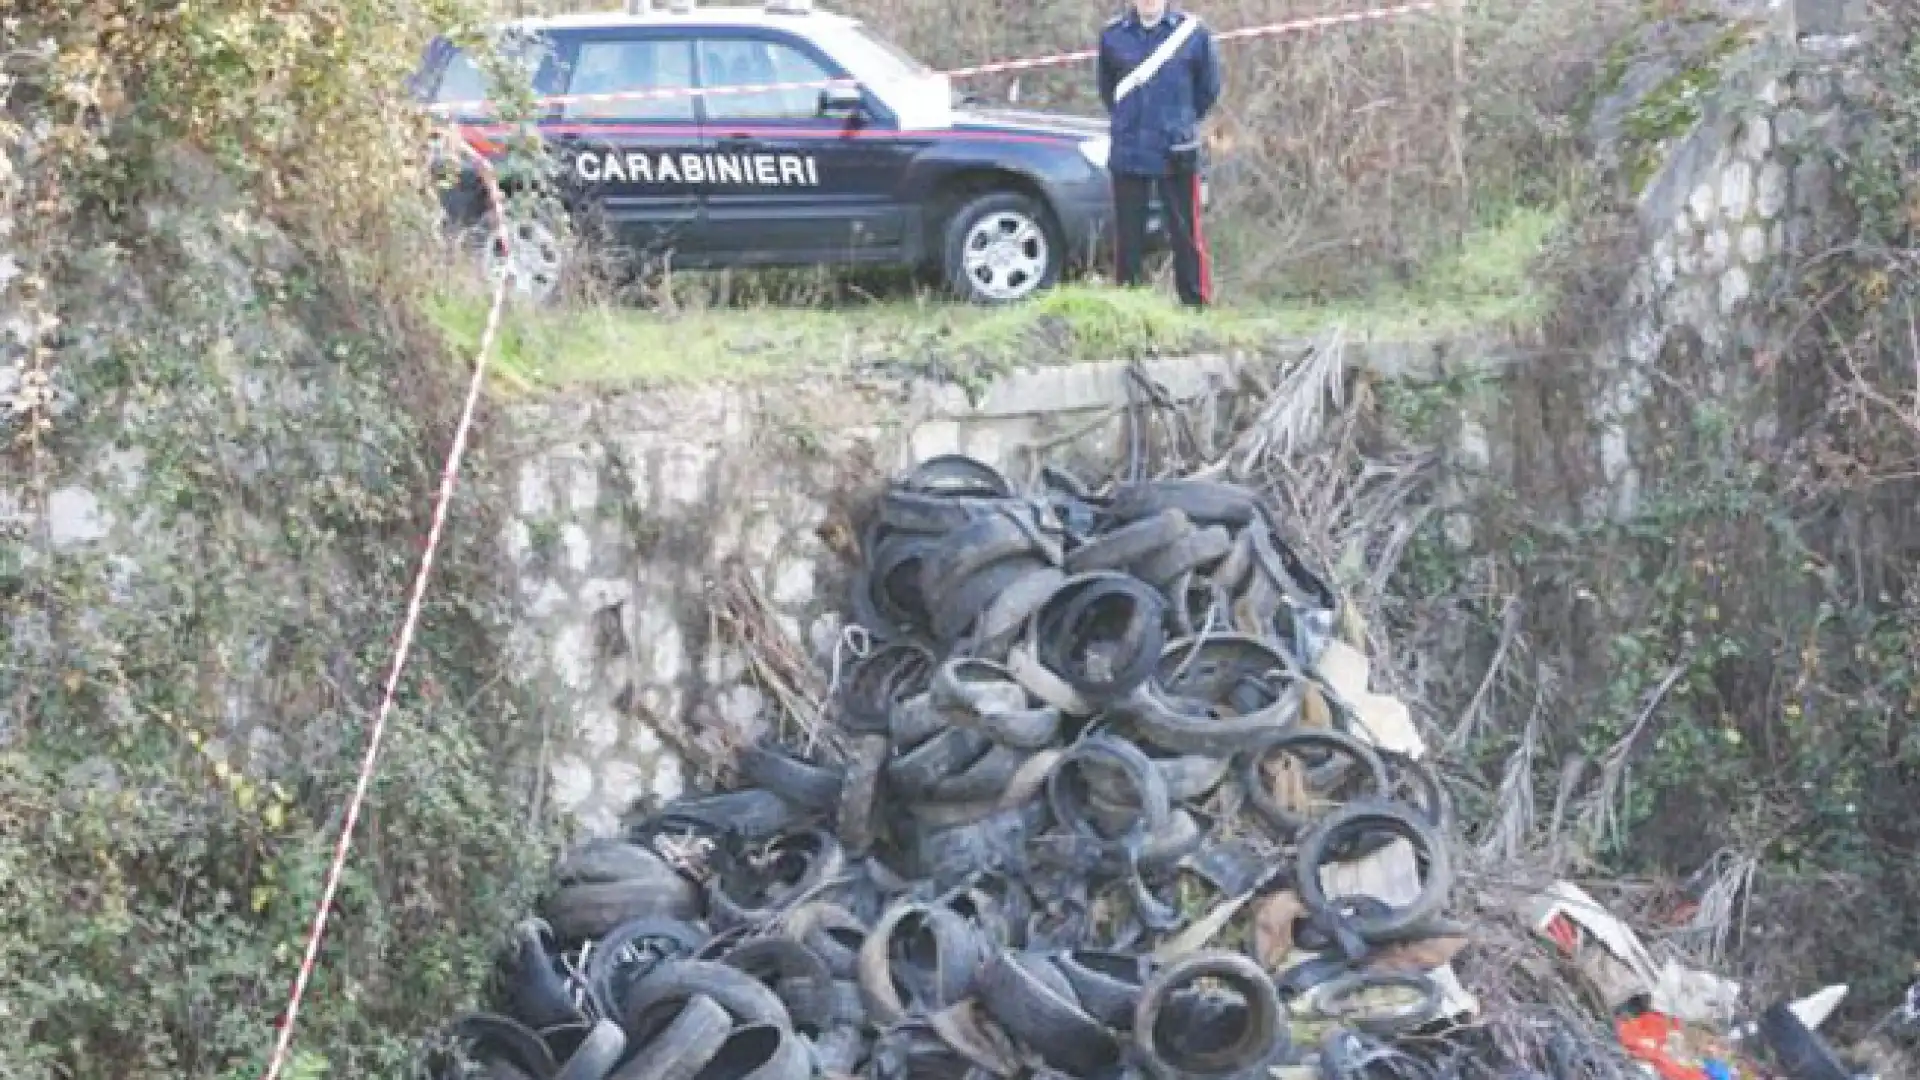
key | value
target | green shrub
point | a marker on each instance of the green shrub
(182, 712)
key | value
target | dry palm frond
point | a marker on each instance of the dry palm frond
(1513, 825)
(1600, 818)
(1296, 411)
(743, 615)
(1723, 903)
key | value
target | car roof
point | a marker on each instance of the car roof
(695, 17)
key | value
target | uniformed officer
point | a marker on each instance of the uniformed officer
(1159, 78)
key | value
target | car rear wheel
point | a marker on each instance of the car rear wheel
(529, 256)
(1001, 248)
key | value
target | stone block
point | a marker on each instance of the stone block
(1757, 139)
(1687, 256)
(75, 518)
(605, 593)
(1828, 18)
(934, 438)
(1856, 86)
(683, 475)
(722, 664)
(1702, 203)
(1799, 232)
(1692, 305)
(1665, 271)
(1813, 89)
(740, 707)
(124, 468)
(1770, 192)
(576, 549)
(1753, 244)
(1457, 530)
(526, 648)
(573, 654)
(582, 488)
(599, 727)
(1615, 456)
(824, 636)
(1472, 450)
(548, 599)
(793, 583)
(645, 741)
(631, 463)
(985, 441)
(1736, 191)
(572, 781)
(1734, 289)
(666, 702)
(669, 778)
(533, 495)
(1813, 185)
(1790, 126)
(803, 509)
(762, 541)
(1717, 252)
(658, 637)
(597, 820)
(621, 784)
(517, 538)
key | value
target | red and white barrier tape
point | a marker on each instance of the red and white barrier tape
(1295, 26)
(449, 474)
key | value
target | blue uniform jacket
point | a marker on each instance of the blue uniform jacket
(1164, 112)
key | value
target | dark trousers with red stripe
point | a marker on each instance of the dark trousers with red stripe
(1180, 199)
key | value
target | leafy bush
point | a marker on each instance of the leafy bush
(237, 376)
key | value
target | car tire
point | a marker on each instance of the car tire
(1001, 248)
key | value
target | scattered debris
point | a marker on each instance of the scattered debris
(1093, 790)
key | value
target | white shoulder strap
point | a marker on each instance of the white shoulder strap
(1157, 59)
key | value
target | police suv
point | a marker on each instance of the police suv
(845, 151)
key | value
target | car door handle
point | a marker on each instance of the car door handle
(733, 144)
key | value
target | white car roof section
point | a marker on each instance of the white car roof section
(694, 19)
(922, 103)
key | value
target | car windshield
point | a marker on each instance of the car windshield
(875, 56)
(521, 51)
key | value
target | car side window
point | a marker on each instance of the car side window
(522, 54)
(731, 62)
(632, 65)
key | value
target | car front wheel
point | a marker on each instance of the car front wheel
(1000, 248)
(530, 256)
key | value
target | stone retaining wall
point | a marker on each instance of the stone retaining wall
(628, 511)
(1736, 205)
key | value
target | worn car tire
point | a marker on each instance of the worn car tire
(589, 911)
(502, 1038)
(1331, 1001)
(1262, 1035)
(596, 1056)
(980, 211)
(657, 997)
(607, 859)
(684, 1047)
(1318, 845)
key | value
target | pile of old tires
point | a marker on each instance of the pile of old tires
(1054, 749)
